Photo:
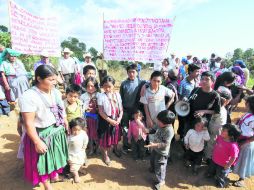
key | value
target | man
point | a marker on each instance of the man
(172, 62)
(130, 94)
(66, 67)
(44, 60)
(204, 101)
(102, 66)
(185, 89)
(189, 56)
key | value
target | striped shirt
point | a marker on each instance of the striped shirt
(186, 87)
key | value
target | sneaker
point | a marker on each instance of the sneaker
(124, 151)
(195, 170)
(157, 186)
(187, 163)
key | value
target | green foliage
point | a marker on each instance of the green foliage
(5, 39)
(29, 61)
(93, 52)
(74, 45)
(3, 28)
(238, 54)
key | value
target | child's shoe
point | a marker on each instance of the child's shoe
(157, 186)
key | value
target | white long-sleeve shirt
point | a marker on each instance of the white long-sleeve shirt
(196, 140)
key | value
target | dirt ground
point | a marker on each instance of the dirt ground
(123, 174)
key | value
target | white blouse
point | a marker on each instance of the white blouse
(104, 101)
(85, 98)
(247, 126)
(30, 101)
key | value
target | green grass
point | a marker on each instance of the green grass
(250, 83)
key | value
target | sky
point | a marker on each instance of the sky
(201, 27)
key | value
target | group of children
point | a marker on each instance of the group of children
(143, 113)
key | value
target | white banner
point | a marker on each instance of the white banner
(137, 39)
(31, 34)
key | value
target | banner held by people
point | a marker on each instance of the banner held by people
(30, 34)
(136, 39)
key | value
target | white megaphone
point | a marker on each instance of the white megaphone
(182, 108)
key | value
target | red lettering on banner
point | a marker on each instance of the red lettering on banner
(31, 34)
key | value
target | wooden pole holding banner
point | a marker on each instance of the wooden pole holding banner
(9, 13)
(103, 33)
(171, 33)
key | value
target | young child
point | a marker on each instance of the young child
(225, 153)
(161, 146)
(194, 142)
(88, 71)
(89, 99)
(217, 121)
(154, 99)
(111, 113)
(72, 104)
(4, 106)
(77, 143)
(137, 135)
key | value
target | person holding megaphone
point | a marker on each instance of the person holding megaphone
(185, 89)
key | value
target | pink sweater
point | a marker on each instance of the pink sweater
(135, 130)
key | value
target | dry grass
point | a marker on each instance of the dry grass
(120, 75)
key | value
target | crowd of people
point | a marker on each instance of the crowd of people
(58, 131)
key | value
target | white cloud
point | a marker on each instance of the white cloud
(85, 21)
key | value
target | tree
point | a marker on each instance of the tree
(74, 45)
(238, 54)
(3, 28)
(94, 52)
(248, 54)
(5, 39)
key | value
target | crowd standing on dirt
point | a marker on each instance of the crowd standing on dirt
(59, 129)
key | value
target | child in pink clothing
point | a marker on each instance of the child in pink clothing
(137, 134)
(225, 153)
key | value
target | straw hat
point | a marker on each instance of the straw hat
(67, 50)
(44, 53)
(87, 55)
(99, 54)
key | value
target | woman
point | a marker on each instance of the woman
(227, 80)
(14, 75)
(240, 79)
(245, 164)
(45, 146)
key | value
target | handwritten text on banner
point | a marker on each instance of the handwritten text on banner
(136, 39)
(31, 34)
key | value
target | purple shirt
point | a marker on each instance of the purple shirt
(37, 64)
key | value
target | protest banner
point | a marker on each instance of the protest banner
(136, 39)
(31, 34)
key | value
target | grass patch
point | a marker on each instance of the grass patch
(250, 82)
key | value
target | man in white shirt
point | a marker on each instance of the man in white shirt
(66, 67)
(172, 62)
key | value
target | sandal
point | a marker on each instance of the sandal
(107, 161)
(58, 179)
(239, 183)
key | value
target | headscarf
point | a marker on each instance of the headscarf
(241, 63)
(238, 71)
(9, 51)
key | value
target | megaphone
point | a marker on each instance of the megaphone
(182, 108)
